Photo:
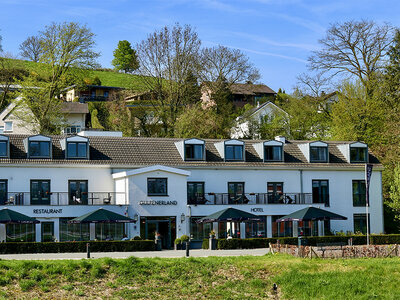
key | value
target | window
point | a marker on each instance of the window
(72, 129)
(256, 229)
(194, 152)
(273, 153)
(233, 152)
(1, 129)
(39, 149)
(320, 191)
(319, 154)
(109, 231)
(73, 232)
(3, 148)
(20, 232)
(358, 154)
(195, 192)
(3, 191)
(78, 192)
(199, 231)
(275, 192)
(359, 193)
(77, 150)
(157, 187)
(40, 192)
(8, 126)
(360, 223)
(281, 229)
(236, 193)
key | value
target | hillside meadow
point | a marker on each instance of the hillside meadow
(245, 277)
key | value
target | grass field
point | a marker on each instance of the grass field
(199, 278)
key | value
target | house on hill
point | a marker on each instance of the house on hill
(256, 114)
(89, 93)
(243, 93)
(75, 114)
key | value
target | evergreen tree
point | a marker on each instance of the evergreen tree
(125, 57)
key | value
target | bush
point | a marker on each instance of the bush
(62, 247)
(178, 241)
(184, 238)
(137, 238)
(205, 245)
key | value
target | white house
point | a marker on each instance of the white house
(74, 113)
(168, 184)
(255, 115)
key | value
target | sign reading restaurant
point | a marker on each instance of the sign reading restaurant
(158, 202)
(47, 211)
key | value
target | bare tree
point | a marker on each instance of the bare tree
(167, 59)
(228, 64)
(354, 48)
(313, 85)
(31, 48)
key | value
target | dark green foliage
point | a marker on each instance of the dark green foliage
(63, 247)
(125, 57)
(206, 244)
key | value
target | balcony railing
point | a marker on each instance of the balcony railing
(64, 198)
(255, 198)
(84, 99)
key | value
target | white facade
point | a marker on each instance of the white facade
(129, 187)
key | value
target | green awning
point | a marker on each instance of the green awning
(102, 216)
(311, 214)
(8, 216)
(229, 215)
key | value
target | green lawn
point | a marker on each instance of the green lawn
(108, 78)
(197, 278)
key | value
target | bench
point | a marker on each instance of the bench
(332, 246)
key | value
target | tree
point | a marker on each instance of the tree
(167, 58)
(67, 51)
(31, 48)
(313, 85)
(353, 48)
(125, 57)
(230, 64)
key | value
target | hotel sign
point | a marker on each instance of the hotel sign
(257, 209)
(47, 211)
(158, 202)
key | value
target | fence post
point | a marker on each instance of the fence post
(87, 250)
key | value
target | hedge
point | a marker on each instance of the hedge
(382, 239)
(205, 244)
(62, 247)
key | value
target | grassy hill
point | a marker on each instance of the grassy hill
(107, 77)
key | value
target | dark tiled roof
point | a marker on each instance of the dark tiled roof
(74, 108)
(250, 89)
(139, 151)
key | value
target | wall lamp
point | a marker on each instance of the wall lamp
(136, 218)
(182, 217)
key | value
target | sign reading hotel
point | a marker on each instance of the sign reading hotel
(158, 202)
(47, 211)
(257, 209)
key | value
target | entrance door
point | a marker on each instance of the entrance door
(164, 226)
(78, 192)
(40, 192)
(47, 231)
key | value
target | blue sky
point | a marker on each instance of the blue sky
(277, 35)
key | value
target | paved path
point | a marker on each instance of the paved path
(164, 253)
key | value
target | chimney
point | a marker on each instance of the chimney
(280, 138)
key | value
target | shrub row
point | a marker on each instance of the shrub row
(62, 247)
(382, 239)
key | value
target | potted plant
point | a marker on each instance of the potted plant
(178, 244)
(185, 241)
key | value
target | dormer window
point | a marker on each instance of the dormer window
(273, 153)
(194, 152)
(318, 153)
(39, 149)
(4, 146)
(75, 147)
(358, 152)
(234, 152)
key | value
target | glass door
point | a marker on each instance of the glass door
(275, 192)
(3, 192)
(235, 192)
(47, 231)
(40, 192)
(78, 192)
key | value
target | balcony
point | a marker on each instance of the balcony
(64, 198)
(256, 198)
(84, 99)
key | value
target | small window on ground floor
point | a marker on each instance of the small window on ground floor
(110, 231)
(360, 223)
(199, 231)
(281, 229)
(20, 232)
(73, 232)
(257, 229)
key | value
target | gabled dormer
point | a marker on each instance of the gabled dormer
(231, 150)
(270, 151)
(356, 152)
(4, 146)
(192, 149)
(315, 152)
(38, 146)
(75, 147)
